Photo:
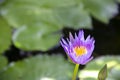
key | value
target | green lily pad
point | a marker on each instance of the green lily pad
(114, 73)
(1, 1)
(36, 12)
(5, 35)
(44, 17)
(40, 67)
(118, 1)
(3, 63)
(103, 10)
(72, 12)
(51, 16)
(75, 17)
(35, 38)
(92, 69)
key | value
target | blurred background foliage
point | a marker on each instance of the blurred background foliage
(35, 22)
(40, 67)
(30, 27)
(91, 70)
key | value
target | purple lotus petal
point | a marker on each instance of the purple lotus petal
(79, 49)
(81, 35)
(88, 38)
(71, 37)
(87, 60)
(64, 42)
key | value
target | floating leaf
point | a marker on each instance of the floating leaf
(75, 17)
(5, 35)
(74, 12)
(103, 10)
(34, 38)
(40, 67)
(51, 16)
(114, 73)
(3, 63)
(103, 73)
(118, 0)
(36, 12)
(1, 1)
(44, 17)
(92, 69)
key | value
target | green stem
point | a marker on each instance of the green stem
(75, 72)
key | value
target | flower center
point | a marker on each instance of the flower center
(79, 51)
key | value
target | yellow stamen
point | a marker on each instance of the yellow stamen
(79, 51)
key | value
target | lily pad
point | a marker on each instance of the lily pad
(118, 1)
(50, 16)
(74, 17)
(92, 69)
(114, 73)
(102, 10)
(3, 63)
(36, 12)
(35, 38)
(74, 12)
(5, 35)
(40, 67)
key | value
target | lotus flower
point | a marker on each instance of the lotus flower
(79, 49)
